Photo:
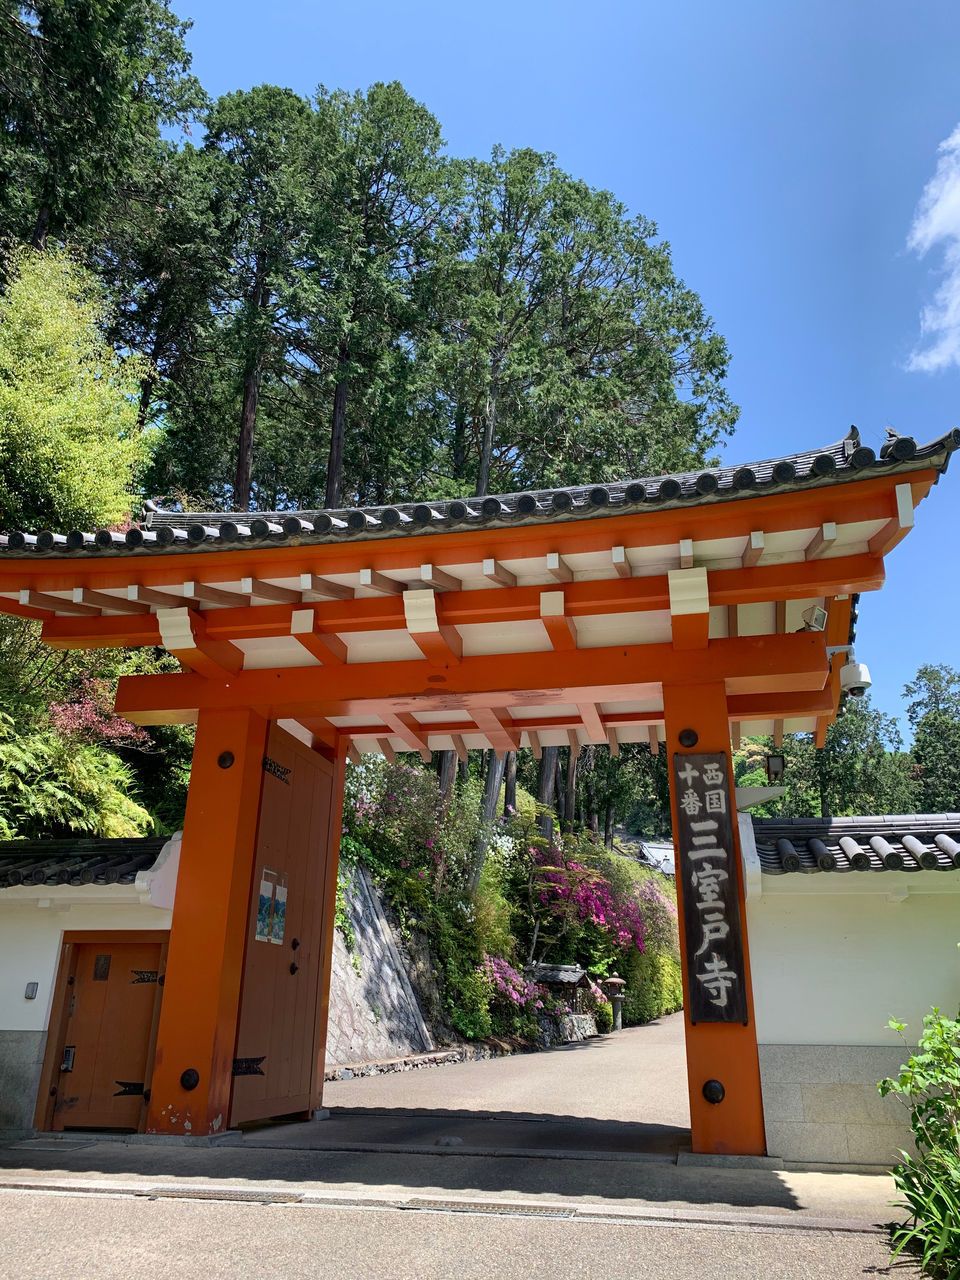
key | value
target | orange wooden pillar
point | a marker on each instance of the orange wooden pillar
(716, 1051)
(193, 1067)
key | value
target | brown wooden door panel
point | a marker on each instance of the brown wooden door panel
(111, 1007)
(279, 1009)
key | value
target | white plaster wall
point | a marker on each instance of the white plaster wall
(30, 937)
(831, 968)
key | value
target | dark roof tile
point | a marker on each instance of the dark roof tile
(898, 842)
(171, 531)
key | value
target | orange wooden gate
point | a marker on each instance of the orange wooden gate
(278, 1068)
(102, 1032)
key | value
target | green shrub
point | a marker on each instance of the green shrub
(654, 986)
(603, 1014)
(468, 1004)
(929, 1085)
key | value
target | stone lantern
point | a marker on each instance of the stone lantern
(615, 985)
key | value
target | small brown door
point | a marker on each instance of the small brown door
(109, 1022)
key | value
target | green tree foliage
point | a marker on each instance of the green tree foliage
(934, 715)
(862, 769)
(70, 446)
(569, 351)
(85, 89)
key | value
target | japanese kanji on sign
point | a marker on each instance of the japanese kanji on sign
(707, 871)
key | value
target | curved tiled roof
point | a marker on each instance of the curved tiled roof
(905, 842)
(171, 531)
(76, 862)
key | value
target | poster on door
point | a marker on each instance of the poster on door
(271, 907)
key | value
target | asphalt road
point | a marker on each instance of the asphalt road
(638, 1075)
(51, 1236)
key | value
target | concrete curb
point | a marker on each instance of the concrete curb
(641, 1215)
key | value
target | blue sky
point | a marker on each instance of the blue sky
(782, 148)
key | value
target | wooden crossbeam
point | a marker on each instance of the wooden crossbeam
(735, 734)
(375, 581)
(386, 750)
(312, 584)
(261, 590)
(496, 725)
(41, 600)
(437, 642)
(560, 629)
(574, 742)
(653, 737)
(353, 754)
(753, 551)
(686, 553)
(215, 595)
(161, 599)
(183, 634)
(413, 734)
(101, 600)
(438, 579)
(613, 742)
(778, 734)
(897, 528)
(558, 568)
(534, 739)
(589, 713)
(459, 746)
(821, 542)
(327, 649)
(494, 571)
(618, 557)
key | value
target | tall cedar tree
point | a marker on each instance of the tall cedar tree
(85, 88)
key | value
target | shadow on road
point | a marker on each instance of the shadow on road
(404, 1173)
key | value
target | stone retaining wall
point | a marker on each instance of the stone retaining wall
(374, 1013)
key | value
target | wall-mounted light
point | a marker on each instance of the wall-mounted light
(814, 618)
(776, 764)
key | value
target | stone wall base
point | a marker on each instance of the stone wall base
(821, 1104)
(21, 1062)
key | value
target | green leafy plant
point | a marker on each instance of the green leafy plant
(929, 1084)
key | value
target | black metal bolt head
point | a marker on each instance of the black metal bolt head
(714, 1091)
(189, 1079)
(688, 737)
(225, 759)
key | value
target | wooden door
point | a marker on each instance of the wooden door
(99, 1062)
(275, 1069)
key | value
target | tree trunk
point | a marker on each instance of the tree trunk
(488, 809)
(464, 772)
(251, 393)
(459, 448)
(608, 826)
(447, 768)
(41, 228)
(570, 800)
(545, 788)
(248, 422)
(146, 395)
(338, 431)
(510, 783)
(486, 445)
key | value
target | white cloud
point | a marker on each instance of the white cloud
(937, 223)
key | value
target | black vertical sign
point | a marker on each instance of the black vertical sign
(707, 869)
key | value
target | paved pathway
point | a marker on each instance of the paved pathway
(638, 1075)
(623, 1093)
(50, 1236)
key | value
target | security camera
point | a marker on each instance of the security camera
(855, 679)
